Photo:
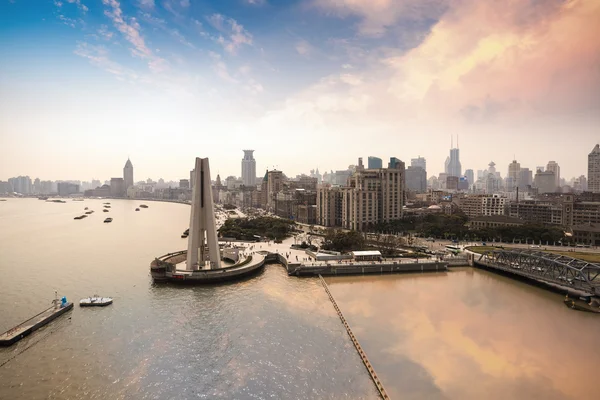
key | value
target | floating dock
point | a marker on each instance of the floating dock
(32, 324)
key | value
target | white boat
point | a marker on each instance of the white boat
(95, 301)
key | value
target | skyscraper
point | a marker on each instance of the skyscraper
(419, 162)
(553, 166)
(513, 175)
(374, 163)
(453, 166)
(128, 174)
(249, 168)
(470, 176)
(593, 178)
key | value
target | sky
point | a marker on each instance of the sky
(85, 84)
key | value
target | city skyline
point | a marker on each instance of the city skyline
(161, 80)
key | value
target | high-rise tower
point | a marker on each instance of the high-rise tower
(553, 166)
(453, 166)
(128, 174)
(249, 168)
(593, 178)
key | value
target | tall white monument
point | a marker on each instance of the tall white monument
(203, 246)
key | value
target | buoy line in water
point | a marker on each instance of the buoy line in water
(357, 345)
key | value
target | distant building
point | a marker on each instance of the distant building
(453, 166)
(274, 185)
(452, 182)
(512, 180)
(593, 178)
(419, 162)
(416, 179)
(374, 162)
(21, 184)
(470, 176)
(117, 187)
(478, 205)
(493, 221)
(524, 179)
(128, 174)
(553, 167)
(67, 188)
(371, 197)
(545, 182)
(249, 168)
(394, 163)
(184, 183)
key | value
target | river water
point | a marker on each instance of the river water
(464, 334)
(267, 337)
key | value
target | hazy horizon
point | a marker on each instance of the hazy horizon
(315, 83)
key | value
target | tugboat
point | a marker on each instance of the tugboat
(108, 220)
(143, 206)
(95, 301)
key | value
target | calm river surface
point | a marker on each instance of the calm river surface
(267, 337)
(465, 334)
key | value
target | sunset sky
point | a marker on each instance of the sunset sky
(306, 83)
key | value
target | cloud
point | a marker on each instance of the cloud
(233, 35)
(79, 4)
(99, 56)
(131, 31)
(147, 4)
(376, 16)
(483, 62)
(69, 21)
(221, 69)
(105, 33)
(304, 48)
(256, 2)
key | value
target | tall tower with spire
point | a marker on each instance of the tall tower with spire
(128, 174)
(452, 165)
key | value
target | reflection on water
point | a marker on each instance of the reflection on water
(266, 337)
(471, 334)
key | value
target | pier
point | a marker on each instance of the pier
(34, 323)
(361, 352)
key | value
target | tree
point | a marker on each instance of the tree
(338, 240)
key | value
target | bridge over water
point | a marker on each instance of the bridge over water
(555, 269)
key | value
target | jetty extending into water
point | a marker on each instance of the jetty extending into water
(34, 323)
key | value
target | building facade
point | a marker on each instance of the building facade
(482, 205)
(128, 174)
(545, 182)
(249, 168)
(374, 162)
(416, 179)
(117, 187)
(593, 178)
(553, 167)
(371, 196)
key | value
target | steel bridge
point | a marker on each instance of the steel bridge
(564, 271)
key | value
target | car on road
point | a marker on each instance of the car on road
(534, 246)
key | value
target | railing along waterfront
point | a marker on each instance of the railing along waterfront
(361, 353)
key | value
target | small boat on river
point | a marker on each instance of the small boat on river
(143, 206)
(137, 209)
(580, 305)
(95, 301)
(105, 210)
(108, 220)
